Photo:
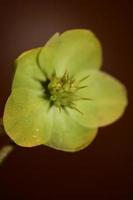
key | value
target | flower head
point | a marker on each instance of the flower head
(59, 96)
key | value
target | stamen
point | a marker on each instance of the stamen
(84, 98)
(84, 78)
(73, 107)
(81, 87)
(61, 91)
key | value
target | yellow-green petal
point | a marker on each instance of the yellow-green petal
(29, 121)
(67, 134)
(26, 117)
(74, 50)
(28, 74)
(107, 100)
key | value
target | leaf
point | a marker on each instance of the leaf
(107, 103)
(73, 51)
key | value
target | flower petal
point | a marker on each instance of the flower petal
(29, 121)
(74, 50)
(27, 73)
(26, 117)
(67, 134)
(106, 101)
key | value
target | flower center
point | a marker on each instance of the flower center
(62, 92)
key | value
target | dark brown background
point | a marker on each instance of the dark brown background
(104, 169)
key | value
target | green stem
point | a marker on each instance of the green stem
(7, 148)
(5, 151)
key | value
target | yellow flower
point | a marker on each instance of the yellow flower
(59, 96)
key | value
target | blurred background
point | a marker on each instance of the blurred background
(104, 170)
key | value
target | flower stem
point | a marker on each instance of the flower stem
(7, 148)
(5, 151)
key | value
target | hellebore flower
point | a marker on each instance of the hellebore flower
(59, 96)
